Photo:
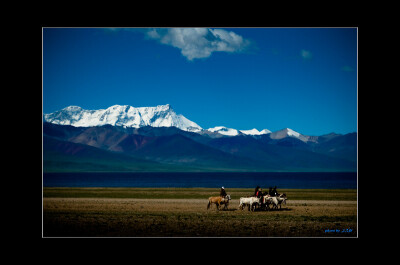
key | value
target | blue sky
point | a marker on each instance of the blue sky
(243, 78)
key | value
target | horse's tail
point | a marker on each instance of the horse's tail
(208, 205)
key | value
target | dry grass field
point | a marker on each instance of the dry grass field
(135, 212)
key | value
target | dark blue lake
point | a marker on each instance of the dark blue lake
(289, 180)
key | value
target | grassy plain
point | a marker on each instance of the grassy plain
(182, 212)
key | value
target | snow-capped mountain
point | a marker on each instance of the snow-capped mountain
(287, 132)
(159, 116)
(255, 132)
(122, 115)
(225, 131)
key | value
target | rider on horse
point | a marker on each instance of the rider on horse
(275, 192)
(222, 192)
(259, 194)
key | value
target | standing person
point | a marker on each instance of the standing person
(222, 192)
(256, 190)
(270, 191)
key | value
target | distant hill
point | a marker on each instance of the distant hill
(118, 148)
(64, 156)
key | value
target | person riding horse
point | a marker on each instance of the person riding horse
(260, 194)
(275, 192)
(222, 192)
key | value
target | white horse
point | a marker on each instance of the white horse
(267, 200)
(281, 198)
(275, 201)
(250, 201)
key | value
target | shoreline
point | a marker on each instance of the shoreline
(192, 193)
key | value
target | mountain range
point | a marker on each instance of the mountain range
(124, 138)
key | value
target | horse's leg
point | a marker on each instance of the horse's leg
(208, 205)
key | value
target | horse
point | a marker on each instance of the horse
(218, 201)
(281, 198)
(226, 201)
(250, 201)
(275, 201)
(267, 201)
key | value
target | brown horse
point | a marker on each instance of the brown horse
(218, 201)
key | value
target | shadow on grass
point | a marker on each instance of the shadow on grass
(272, 210)
(259, 210)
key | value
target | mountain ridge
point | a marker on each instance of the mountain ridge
(171, 147)
(122, 115)
(159, 116)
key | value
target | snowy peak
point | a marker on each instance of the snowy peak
(224, 131)
(159, 116)
(283, 133)
(255, 132)
(122, 115)
(265, 131)
(73, 108)
(233, 132)
(290, 132)
(287, 132)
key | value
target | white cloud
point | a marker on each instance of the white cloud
(153, 34)
(197, 43)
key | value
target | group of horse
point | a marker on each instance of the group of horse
(252, 202)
